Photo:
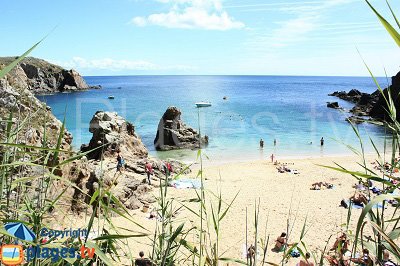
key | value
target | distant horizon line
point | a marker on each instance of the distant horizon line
(231, 75)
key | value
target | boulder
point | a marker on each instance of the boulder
(112, 133)
(72, 81)
(173, 133)
(334, 105)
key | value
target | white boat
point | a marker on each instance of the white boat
(203, 104)
(111, 97)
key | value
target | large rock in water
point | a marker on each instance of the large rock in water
(112, 133)
(41, 77)
(172, 133)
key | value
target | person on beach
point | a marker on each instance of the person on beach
(149, 170)
(272, 158)
(341, 244)
(142, 261)
(119, 162)
(280, 243)
(251, 253)
(261, 143)
(359, 199)
(365, 260)
(386, 259)
(167, 169)
(306, 262)
(322, 141)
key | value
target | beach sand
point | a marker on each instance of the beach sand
(282, 196)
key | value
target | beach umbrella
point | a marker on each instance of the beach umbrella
(19, 230)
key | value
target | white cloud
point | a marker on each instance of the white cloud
(117, 65)
(305, 19)
(191, 14)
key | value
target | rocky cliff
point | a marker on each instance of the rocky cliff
(42, 77)
(372, 106)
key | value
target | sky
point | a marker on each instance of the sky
(203, 37)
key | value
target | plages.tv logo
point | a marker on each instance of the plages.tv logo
(11, 254)
(14, 254)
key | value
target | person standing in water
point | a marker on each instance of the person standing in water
(322, 141)
(274, 142)
(261, 143)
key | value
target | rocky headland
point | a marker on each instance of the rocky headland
(42, 77)
(370, 107)
(38, 127)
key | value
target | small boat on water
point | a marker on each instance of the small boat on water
(111, 97)
(203, 104)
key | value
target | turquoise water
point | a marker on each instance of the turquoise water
(290, 109)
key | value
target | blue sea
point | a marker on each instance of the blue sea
(290, 109)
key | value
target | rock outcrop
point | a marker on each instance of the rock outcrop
(372, 105)
(112, 133)
(173, 133)
(39, 120)
(334, 105)
(42, 77)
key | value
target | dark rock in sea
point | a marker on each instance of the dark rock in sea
(373, 105)
(355, 120)
(334, 105)
(113, 133)
(172, 133)
(95, 87)
(345, 96)
(353, 93)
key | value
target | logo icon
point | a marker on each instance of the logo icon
(12, 254)
(19, 230)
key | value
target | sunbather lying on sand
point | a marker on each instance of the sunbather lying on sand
(321, 185)
(359, 199)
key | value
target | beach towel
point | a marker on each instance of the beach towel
(186, 183)
(376, 190)
(357, 206)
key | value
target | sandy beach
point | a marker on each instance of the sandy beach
(282, 196)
